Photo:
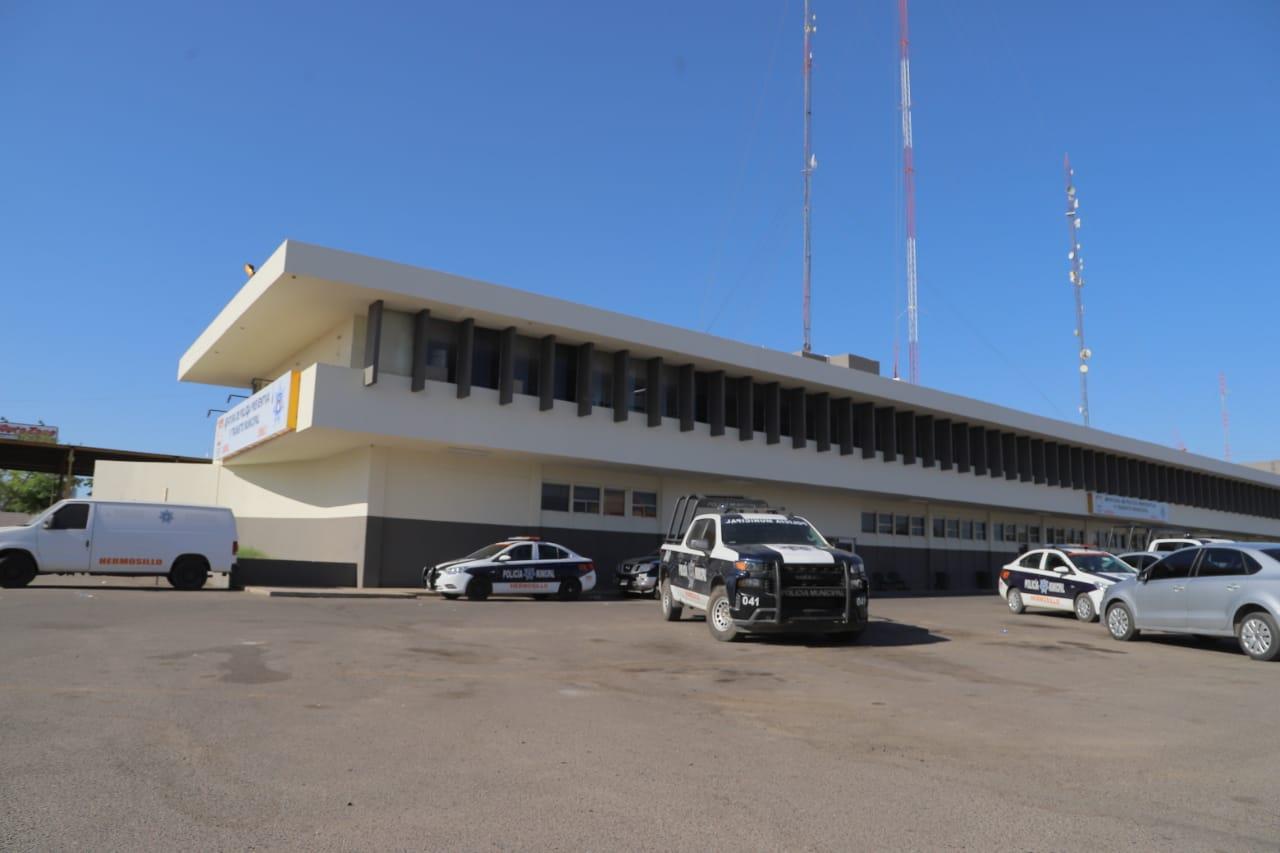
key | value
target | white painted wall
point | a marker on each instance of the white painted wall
(336, 346)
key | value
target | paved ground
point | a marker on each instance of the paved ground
(147, 718)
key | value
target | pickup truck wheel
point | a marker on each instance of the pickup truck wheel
(16, 570)
(850, 637)
(188, 573)
(671, 611)
(479, 589)
(570, 590)
(720, 616)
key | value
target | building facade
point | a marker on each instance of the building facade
(428, 414)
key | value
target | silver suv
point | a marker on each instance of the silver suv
(1219, 590)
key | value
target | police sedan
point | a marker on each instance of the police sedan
(1062, 578)
(521, 565)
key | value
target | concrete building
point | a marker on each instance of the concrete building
(406, 416)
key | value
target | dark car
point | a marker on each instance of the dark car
(639, 575)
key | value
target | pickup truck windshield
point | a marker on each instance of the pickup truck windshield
(783, 531)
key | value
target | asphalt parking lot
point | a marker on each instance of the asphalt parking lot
(146, 718)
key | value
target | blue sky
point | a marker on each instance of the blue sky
(645, 158)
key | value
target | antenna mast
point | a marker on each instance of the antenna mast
(810, 162)
(1077, 285)
(909, 191)
(1226, 417)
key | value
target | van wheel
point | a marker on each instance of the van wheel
(1014, 600)
(1258, 636)
(720, 616)
(1084, 608)
(670, 610)
(16, 570)
(189, 573)
(479, 589)
(570, 590)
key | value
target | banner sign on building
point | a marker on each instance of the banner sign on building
(29, 432)
(268, 413)
(1116, 506)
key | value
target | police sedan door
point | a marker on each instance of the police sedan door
(1162, 598)
(556, 560)
(514, 570)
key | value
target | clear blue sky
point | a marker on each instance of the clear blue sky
(645, 157)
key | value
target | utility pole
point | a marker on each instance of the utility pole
(1226, 416)
(810, 163)
(1077, 285)
(909, 191)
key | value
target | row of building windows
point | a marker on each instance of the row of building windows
(468, 355)
(599, 500)
(892, 524)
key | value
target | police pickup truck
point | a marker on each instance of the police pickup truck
(753, 568)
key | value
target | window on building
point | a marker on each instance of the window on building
(638, 378)
(615, 502)
(1034, 533)
(395, 352)
(670, 391)
(966, 530)
(868, 522)
(644, 504)
(953, 528)
(1011, 533)
(555, 497)
(757, 409)
(997, 532)
(901, 525)
(884, 523)
(484, 358)
(731, 403)
(566, 373)
(980, 530)
(602, 379)
(701, 400)
(939, 528)
(442, 350)
(1022, 533)
(586, 499)
(525, 364)
(917, 525)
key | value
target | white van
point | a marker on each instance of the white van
(183, 543)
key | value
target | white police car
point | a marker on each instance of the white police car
(521, 565)
(1062, 578)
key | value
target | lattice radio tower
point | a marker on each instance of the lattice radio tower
(909, 192)
(810, 162)
(1077, 285)
(1226, 416)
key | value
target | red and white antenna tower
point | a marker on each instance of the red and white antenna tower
(1077, 285)
(909, 191)
(810, 162)
(1226, 416)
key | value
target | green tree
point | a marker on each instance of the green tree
(28, 491)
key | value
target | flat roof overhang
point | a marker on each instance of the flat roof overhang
(56, 458)
(303, 291)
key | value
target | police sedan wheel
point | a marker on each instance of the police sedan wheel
(1015, 601)
(1120, 622)
(720, 616)
(1084, 609)
(479, 589)
(1259, 638)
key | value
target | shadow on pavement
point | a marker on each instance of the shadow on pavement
(879, 633)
